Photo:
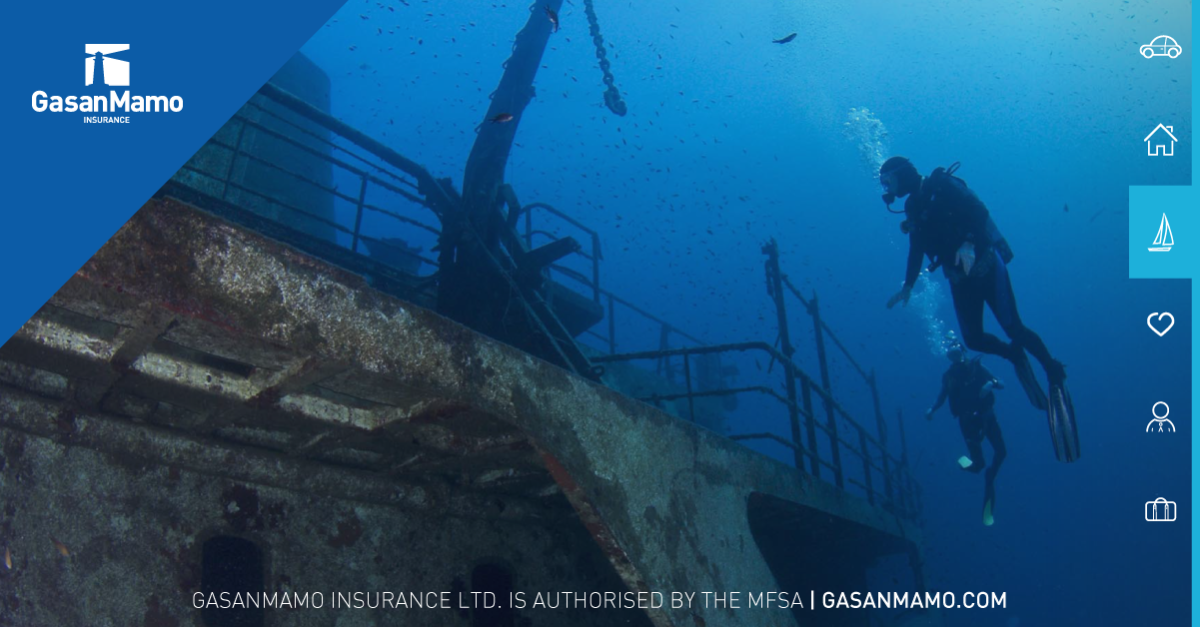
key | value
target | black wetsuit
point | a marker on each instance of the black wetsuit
(962, 384)
(943, 215)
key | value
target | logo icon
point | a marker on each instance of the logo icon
(1160, 424)
(1162, 46)
(1160, 510)
(1161, 149)
(101, 69)
(1166, 314)
(1164, 240)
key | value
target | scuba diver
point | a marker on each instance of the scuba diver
(969, 387)
(947, 222)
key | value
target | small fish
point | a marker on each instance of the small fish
(1066, 209)
(62, 548)
(501, 118)
(7, 558)
(784, 40)
(553, 17)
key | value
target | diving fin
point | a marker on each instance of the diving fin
(1029, 380)
(989, 501)
(1063, 432)
(970, 465)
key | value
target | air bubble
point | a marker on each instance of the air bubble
(870, 136)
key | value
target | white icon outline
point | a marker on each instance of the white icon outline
(1169, 510)
(1150, 323)
(1161, 150)
(1161, 46)
(1160, 420)
(1165, 239)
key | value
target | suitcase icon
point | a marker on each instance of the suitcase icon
(1160, 510)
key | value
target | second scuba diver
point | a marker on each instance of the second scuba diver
(969, 387)
(946, 222)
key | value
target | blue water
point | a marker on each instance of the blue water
(731, 140)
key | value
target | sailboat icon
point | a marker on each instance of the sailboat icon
(1164, 240)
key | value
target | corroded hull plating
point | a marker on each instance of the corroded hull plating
(225, 364)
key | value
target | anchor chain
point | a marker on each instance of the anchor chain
(612, 95)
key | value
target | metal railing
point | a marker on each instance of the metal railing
(376, 167)
(899, 492)
(594, 257)
(376, 170)
(611, 302)
(366, 180)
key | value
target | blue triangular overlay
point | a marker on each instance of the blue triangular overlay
(69, 185)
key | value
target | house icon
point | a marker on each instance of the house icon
(1160, 149)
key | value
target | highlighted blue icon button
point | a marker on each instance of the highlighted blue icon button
(1160, 224)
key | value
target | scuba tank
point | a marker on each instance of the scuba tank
(941, 176)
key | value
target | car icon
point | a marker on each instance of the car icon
(1162, 46)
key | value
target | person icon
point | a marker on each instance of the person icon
(1160, 424)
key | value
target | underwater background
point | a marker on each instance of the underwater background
(732, 139)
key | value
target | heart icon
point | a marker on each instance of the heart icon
(1150, 322)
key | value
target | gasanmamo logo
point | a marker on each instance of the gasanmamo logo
(103, 69)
